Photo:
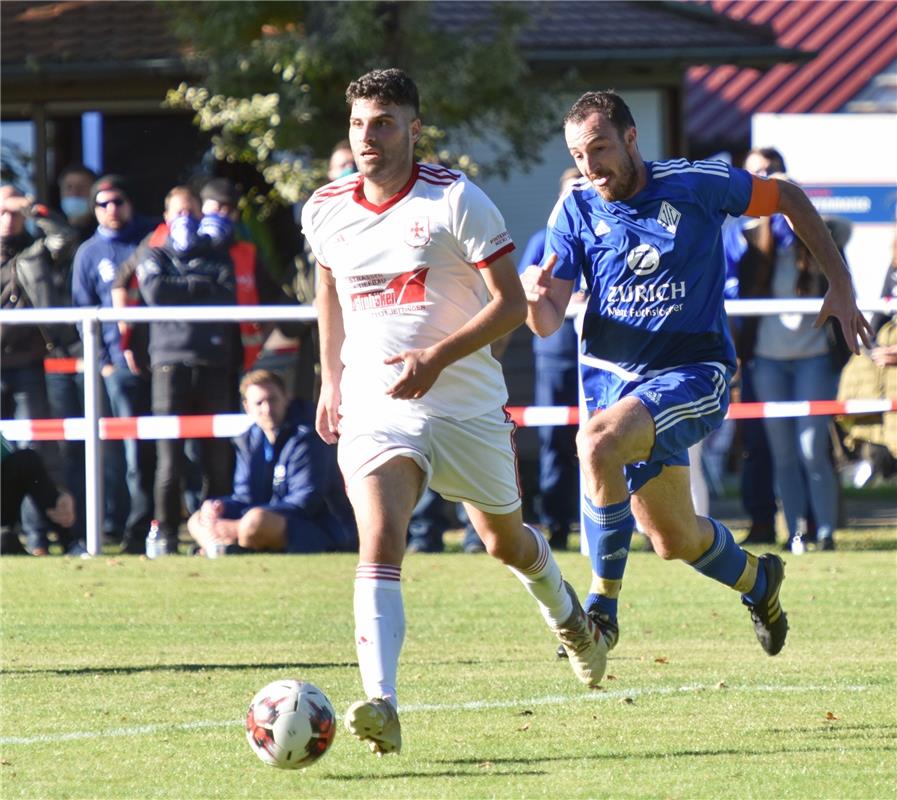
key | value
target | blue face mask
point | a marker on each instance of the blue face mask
(217, 227)
(182, 232)
(75, 207)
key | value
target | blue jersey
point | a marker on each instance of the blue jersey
(654, 267)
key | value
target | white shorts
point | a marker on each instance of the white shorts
(470, 461)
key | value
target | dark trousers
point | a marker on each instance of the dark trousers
(129, 396)
(23, 395)
(757, 494)
(182, 389)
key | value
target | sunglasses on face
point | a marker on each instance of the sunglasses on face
(113, 201)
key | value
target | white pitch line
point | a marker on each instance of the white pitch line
(473, 705)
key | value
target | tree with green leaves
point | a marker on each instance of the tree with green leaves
(274, 76)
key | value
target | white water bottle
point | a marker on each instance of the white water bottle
(798, 546)
(156, 543)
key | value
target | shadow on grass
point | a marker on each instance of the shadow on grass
(709, 752)
(297, 665)
(446, 774)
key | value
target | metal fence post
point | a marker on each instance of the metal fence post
(93, 453)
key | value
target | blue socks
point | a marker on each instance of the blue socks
(727, 563)
(608, 532)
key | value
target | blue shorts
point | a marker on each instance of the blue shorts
(686, 402)
(303, 535)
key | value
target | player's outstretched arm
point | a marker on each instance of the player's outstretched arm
(839, 301)
(505, 311)
(331, 334)
(547, 297)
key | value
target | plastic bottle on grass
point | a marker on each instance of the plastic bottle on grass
(156, 543)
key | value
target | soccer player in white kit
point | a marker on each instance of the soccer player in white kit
(416, 281)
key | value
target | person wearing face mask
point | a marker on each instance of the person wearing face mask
(65, 386)
(220, 197)
(74, 183)
(126, 474)
(193, 364)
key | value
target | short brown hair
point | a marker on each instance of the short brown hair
(385, 86)
(261, 377)
(610, 104)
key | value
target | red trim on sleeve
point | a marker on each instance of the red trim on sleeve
(508, 248)
(764, 197)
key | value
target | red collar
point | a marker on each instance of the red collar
(358, 194)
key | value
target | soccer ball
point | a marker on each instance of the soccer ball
(290, 724)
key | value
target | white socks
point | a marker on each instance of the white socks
(379, 627)
(543, 580)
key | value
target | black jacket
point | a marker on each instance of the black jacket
(202, 276)
(33, 274)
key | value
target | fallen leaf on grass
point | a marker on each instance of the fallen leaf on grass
(610, 677)
(113, 562)
(661, 660)
(829, 716)
(524, 727)
(626, 701)
(485, 765)
(526, 713)
(722, 685)
(88, 594)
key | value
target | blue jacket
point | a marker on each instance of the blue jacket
(96, 263)
(301, 481)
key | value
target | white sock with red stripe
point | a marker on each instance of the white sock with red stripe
(379, 627)
(543, 580)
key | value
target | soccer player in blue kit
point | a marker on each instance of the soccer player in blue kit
(656, 355)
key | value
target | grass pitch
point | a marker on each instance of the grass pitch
(126, 678)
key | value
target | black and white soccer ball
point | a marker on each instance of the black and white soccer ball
(290, 724)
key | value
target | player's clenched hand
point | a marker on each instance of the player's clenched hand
(536, 280)
(842, 306)
(418, 375)
(327, 416)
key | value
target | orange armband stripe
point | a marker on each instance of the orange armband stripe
(764, 197)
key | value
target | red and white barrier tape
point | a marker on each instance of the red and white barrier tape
(226, 426)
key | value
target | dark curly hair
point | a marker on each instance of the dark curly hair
(386, 86)
(610, 104)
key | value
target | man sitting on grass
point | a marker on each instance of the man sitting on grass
(288, 493)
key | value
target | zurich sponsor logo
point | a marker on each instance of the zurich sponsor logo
(643, 259)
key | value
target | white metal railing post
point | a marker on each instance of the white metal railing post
(93, 453)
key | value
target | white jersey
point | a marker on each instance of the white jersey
(407, 276)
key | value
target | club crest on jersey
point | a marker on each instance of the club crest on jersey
(643, 259)
(669, 217)
(418, 232)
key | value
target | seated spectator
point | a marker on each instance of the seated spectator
(288, 493)
(23, 474)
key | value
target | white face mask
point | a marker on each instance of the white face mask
(74, 207)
